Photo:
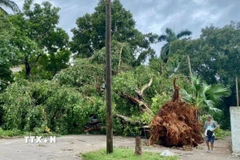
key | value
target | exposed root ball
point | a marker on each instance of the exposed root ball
(176, 124)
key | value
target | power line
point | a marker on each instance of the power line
(19, 1)
(64, 2)
(77, 7)
(71, 5)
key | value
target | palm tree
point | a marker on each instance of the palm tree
(169, 37)
(204, 96)
(10, 4)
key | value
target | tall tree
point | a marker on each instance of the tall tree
(7, 51)
(215, 56)
(169, 37)
(42, 43)
(9, 4)
(89, 35)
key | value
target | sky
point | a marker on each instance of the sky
(155, 15)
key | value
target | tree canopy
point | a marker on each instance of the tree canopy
(89, 35)
(42, 44)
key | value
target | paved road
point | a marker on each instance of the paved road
(70, 147)
(65, 148)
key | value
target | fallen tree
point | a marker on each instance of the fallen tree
(176, 124)
(139, 100)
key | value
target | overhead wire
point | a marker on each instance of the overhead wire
(19, 1)
(76, 2)
(64, 2)
(76, 7)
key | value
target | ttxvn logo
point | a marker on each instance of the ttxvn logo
(40, 139)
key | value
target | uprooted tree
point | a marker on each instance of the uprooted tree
(176, 124)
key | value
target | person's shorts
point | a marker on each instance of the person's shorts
(210, 139)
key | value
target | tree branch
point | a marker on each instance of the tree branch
(127, 119)
(146, 86)
(143, 106)
(140, 93)
(120, 57)
(36, 60)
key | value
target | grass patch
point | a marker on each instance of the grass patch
(10, 133)
(19, 133)
(124, 154)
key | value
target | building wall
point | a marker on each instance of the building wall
(235, 129)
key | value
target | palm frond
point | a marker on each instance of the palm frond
(184, 33)
(169, 31)
(10, 4)
(1, 9)
(205, 96)
(162, 38)
(214, 109)
(217, 92)
(208, 103)
(186, 96)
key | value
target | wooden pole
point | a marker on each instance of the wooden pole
(190, 73)
(189, 66)
(138, 146)
(109, 130)
(237, 91)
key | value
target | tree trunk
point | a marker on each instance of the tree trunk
(27, 68)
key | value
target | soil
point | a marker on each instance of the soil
(70, 148)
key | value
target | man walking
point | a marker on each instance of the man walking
(210, 126)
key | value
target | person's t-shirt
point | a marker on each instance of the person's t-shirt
(209, 126)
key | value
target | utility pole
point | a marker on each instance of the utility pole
(109, 130)
(237, 96)
(189, 66)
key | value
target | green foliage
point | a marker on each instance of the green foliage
(221, 134)
(121, 57)
(159, 100)
(66, 109)
(166, 69)
(214, 57)
(7, 51)
(89, 35)
(10, 133)
(10, 4)
(43, 47)
(17, 132)
(16, 103)
(50, 65)
(120, 153)
(205, 96)
(33, 106)
(155, 96)
(85, 76)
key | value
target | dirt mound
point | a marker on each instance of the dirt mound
(176, 124)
